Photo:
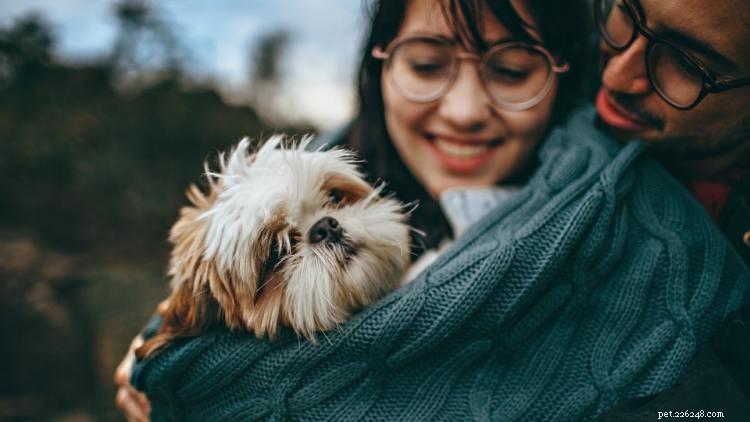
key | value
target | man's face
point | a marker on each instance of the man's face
(717, 33)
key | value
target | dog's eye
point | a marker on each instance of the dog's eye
(274, 256)
(335, 196)
(272, 261)
(344, 191)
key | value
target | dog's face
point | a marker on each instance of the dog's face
(285, 237)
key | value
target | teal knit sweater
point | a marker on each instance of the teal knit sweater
(593, 285)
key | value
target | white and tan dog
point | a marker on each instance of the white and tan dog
(283, 237)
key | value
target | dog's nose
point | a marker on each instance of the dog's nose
(326, 229)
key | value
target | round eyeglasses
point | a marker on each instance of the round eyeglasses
(515, 75)
(679, 78)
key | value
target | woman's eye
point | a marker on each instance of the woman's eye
(501, 72)
(428, 67)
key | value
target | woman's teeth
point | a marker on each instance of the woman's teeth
(460, 151)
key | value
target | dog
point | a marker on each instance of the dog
(283, 237)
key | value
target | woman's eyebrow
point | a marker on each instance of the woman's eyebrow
(428, 34)
(454, 40)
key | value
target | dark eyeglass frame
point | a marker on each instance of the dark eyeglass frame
(710, 83)
(458, 55)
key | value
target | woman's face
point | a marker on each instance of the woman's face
(461, 139)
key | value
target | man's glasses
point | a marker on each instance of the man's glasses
(678, 78)
(515, 75)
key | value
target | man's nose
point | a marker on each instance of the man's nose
(466, 105)
(625, 72)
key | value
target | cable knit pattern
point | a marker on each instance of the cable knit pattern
(593, 285)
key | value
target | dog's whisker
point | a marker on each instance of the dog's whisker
(261, 286)
(326, 337)
(410, 208)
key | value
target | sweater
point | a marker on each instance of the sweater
(718, 377)
(593, 285)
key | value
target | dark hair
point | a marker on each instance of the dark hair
(563, 25)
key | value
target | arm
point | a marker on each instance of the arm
(130, 401)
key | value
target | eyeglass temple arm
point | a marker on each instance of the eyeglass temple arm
(560, 68)
(378, 53)
(724, 85)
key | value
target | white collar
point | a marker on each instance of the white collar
(465, 206)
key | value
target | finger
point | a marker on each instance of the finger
(143, 402)
(136, 343)
(125, 368)
(162, 307)
(129, 406)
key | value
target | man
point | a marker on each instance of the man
(665, 63)
(676, 75)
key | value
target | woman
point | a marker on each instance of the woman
(395, 132)
(456, 132)
(535, 296)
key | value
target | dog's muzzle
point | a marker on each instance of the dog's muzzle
(327, 229)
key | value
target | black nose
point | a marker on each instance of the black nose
(326, 229)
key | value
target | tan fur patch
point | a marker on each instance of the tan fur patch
(349, 190)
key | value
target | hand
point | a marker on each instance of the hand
(134, 404)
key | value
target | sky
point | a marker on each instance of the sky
(319, 66)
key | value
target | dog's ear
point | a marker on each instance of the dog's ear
(238, 161)
(268, 312)
(186, 315)
(199, 296)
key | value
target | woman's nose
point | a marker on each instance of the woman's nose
(466, 106)
(625, 72)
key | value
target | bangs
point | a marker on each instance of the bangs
(465, 19)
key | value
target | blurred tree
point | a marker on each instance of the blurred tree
(266, 76)
(88, 172)
(146, 47)
(24, 47)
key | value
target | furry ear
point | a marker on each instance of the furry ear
(187, 315)
(191, 307)
(236, 164)
(269, 311)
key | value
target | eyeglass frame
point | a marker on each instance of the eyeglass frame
(458, 55)
(709, 83)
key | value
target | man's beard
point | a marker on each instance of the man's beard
(701, 149)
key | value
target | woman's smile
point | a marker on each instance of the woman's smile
(461, 138)
(461, 155)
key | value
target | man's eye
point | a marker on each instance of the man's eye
(683, 65)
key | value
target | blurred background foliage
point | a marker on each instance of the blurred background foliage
(94, 162)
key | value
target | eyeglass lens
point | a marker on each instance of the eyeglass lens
(674, 76)
(423, 70)
(422, 67)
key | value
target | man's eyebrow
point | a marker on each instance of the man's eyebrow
(687, 41)
(501, 40)
(694, 44)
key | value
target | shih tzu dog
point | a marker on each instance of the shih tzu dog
(284, 237)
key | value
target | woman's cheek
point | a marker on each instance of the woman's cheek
(532, 124)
